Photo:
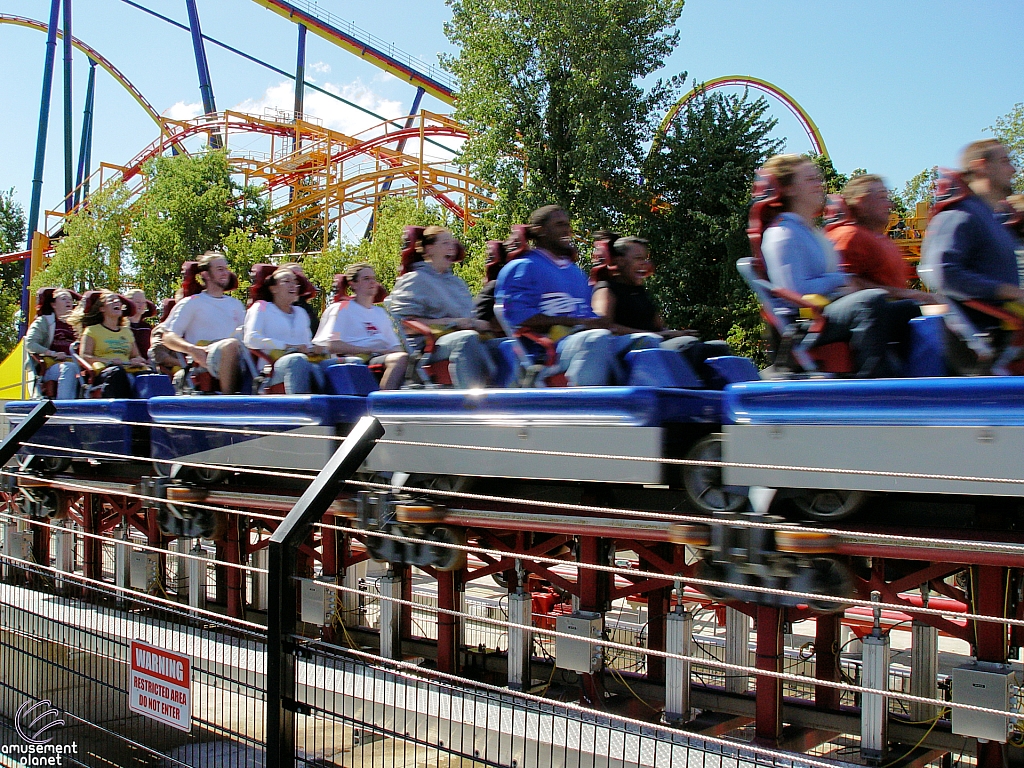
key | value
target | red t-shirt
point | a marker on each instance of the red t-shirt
(870, 255)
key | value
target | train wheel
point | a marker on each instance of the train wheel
(457, 483)
(703, 484)
(447, 558)
(47, 465)
(205, 475)
(829, 506)
(831, 578)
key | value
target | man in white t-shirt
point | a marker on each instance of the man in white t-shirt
(357, 327)
(205, 326)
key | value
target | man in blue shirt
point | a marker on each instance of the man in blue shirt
(967, 252)
(545, 292)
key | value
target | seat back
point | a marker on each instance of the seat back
(411, 236)
(837, 213)
(766, 205)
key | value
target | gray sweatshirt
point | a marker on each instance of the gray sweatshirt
(425, 292)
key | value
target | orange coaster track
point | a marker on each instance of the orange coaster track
(316, 177)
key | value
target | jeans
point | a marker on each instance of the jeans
(66, 375)
(593, 358)
(299, 375)
(470, 364)
(696, 352)
(869, 321)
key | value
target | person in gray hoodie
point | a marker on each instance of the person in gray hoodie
(431, 293)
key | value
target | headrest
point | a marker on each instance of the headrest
(411, 237)
(766, 205)
(44, 298)
(949, 189)
(259, 275)
(497, 257)
(518, 241)
(603, 264)
(149, 311)
(837, 212)
(343, 291)
(306, 288)
(190, 284)
(89, 299)
(166, 305)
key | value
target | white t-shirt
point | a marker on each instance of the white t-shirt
(203, 318)
(267, 327)
(351, 322)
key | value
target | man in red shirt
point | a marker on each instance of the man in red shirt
(865, 252)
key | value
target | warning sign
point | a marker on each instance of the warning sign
(161, 685)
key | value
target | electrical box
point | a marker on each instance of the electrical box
(142, 569)
(18, 544)
(580, 655)
(982, 684)
(317, 602)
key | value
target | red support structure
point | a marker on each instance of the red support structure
(405, 610)
(447, 624)
(657, 606)
(234, 554)
(92, 563)
(593, 594)
(768, 723)
(826, 659)
(989, 592)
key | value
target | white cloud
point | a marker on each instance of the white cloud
(321, 67)
(183, 111)
(334, 114)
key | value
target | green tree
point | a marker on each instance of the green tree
(833, 180)
(190, 205)
(12, 238)
(1009, 129)
(12, 222)
(95, 243)
(550, 92)
(919, 189)
(700, 176)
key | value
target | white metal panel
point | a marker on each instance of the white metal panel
(619, 440)
(983, 452)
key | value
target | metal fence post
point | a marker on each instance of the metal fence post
(281, 614)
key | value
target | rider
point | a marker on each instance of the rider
(544, 291)
(353, 325)
(205, 325)
(967, 252)
(433, 294)
(107, 342)
(278, 328)
(51, 337)
(799, 258)
(870, 258)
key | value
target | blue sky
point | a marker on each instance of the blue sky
(894, 86)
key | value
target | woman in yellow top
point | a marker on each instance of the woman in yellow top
(107, 342)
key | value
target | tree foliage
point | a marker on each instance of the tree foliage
(94, 245)
(1009, 129)
(919, 189)
(549, 90)
(12, 222)
(12, 238)
(700, 176)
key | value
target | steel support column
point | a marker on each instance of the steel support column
(593, 598)
(737, 648)
(658, 602)
(300, 75)
(826, 659)
(989, 596)
(69, 152)
(203, 67)
(770, 648)
(92, 553)
(37, 173)
(448, 599)
(234, 553)
(391, 587)
(85, 145)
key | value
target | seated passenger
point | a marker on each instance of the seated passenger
(967, 252)
(205, 324)
(866, 254)
(306, 292)
(620, 296)
(433, 294)
(107, 343)
(50, 337)
(799, 258)
(353, 325)
(144, 309)
(279, 330)
(545, 292)
(161, 358)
